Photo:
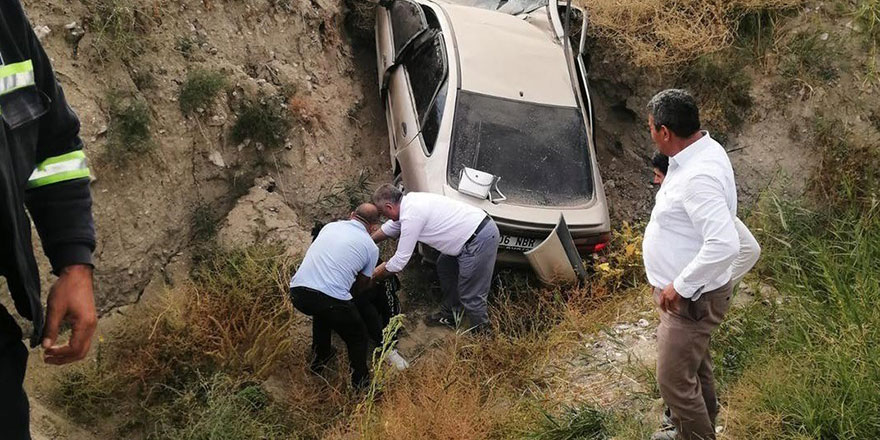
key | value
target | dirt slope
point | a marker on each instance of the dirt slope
(143, 209)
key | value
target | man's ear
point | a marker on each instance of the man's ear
(667, 135)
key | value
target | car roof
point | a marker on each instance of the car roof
(506, 56)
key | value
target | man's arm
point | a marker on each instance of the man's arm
(749, 252)
(410, 230)
(707, 208)
(60, 204)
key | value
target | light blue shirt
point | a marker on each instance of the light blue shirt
(342, 250)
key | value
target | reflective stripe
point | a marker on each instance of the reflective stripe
(16, 76)
(59, 169)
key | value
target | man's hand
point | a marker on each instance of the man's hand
(669, 299)
(71, 299)
(380, 273)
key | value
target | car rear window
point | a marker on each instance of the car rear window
(539, 151)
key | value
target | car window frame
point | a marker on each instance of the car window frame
(398, 53)
(444, 80)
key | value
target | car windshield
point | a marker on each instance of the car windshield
(539, 151)
(512, 7)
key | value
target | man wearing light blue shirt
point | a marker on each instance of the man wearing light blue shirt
(339, 261)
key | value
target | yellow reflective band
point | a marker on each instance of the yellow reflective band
(16, 76)
(56, 169)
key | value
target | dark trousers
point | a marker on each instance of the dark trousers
(331, 314)
(14, 409)
(377, 305)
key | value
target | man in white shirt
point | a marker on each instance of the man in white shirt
(749, 249)
(466, 237)
(689, 246)
(340, 260)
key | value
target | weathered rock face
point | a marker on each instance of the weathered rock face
(144, 209)
(262, 217)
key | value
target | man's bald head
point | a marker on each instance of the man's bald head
(367, 213)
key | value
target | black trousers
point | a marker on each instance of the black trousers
(331, 314)
(14, 408)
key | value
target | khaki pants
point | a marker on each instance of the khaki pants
(684, 365)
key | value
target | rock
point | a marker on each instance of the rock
(217, 159)
(823, 36)
(642, 323)
(262, 217)
(75, 32)
(42, 31)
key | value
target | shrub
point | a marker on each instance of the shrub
(120, 26)
(200, 89)
(666, 32)
(722, 88)
(264, 121)
(129, 131)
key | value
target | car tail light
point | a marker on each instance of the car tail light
(592, 245)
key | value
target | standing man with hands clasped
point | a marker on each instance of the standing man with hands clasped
(689, 245)
(43, 173)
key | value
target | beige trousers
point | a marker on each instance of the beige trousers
(684, 365)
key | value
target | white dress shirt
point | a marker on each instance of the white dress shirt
(435, 220)
(691, 240)
(749, 252)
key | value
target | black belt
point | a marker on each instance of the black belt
(479, 228)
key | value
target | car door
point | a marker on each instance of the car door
(406, 22)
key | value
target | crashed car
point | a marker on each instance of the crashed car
(484, 106)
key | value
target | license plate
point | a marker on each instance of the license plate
(518, 243)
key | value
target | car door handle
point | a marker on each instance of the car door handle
(403, 126)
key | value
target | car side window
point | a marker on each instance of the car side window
(408, 22)
(427, 71)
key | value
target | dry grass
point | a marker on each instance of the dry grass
(658, 33)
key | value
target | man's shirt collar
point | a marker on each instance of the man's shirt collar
(684, 156)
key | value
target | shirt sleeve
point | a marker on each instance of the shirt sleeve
(372, 260)
(58, 196)
(391, 228)
(704, 201)
(749, 252)
(410, 230)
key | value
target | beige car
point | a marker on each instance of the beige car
(486, 85)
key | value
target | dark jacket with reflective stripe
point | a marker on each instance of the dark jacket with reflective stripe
(38, 128)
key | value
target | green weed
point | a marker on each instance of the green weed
(808, 58)
(263, 121)
(575, 423)
(120, 26)
(199, 90)
(867, 14)
(130, 129)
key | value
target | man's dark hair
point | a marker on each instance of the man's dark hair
(677, 110)
(660, 161)
(387, 193)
